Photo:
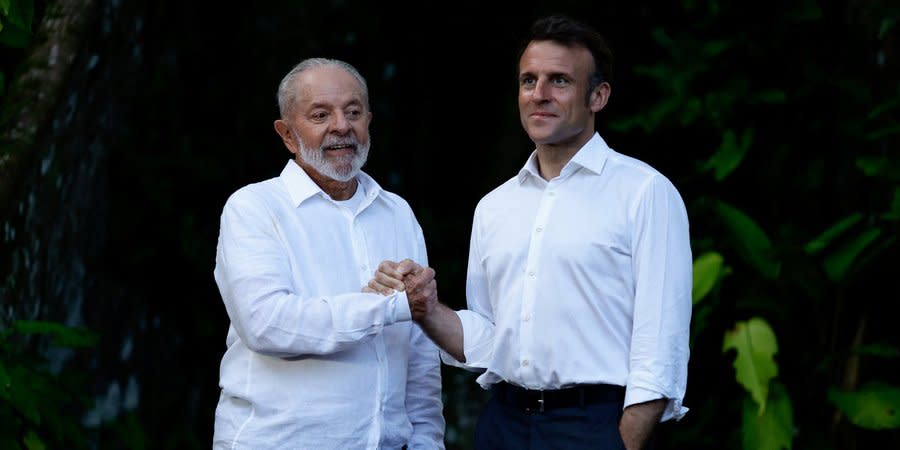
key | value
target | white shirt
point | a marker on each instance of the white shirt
(312, 362)
(582, 279)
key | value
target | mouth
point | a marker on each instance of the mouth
(341, 149)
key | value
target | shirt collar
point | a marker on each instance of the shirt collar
(592, 156)
(301, 187)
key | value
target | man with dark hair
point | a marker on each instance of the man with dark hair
(579, 273)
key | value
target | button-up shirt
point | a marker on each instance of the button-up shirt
(585, 278)
(312, 362)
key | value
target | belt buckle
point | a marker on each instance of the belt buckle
(540, 401)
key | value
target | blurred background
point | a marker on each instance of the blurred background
(125, 125)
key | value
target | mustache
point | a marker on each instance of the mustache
(337, 142)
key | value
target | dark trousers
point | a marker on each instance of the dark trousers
(593, 426)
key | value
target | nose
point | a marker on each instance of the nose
(540, 93)
(340, 124)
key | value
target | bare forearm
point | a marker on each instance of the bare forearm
(443, 326)
(638, 422)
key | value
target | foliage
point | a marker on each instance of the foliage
(36, 404)
(774, 158)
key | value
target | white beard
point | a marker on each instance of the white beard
(343, 168)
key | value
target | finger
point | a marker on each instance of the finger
(389, 268)
(389, 281)
(420, 279)
(380, 287)
(408, 266)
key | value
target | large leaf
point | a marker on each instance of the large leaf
(839, 262)
(876, 405)
(755, 345)
(751, 241)
(708, 269)
(773, 429)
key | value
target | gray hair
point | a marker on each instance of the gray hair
(287, 95)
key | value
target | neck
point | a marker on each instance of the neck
(552, 157)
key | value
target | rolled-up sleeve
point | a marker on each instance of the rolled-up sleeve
(662, 310)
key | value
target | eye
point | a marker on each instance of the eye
(527, 81)
(354, 114)
(560, 81)
(318, 116)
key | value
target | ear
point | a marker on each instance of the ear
(284, 130)
(600, 96)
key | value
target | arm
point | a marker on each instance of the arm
(253, 273)
(638, 421)
(662, 304)
(439, 322)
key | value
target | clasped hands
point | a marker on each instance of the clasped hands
(409, 276)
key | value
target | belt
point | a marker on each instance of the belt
(580, 395)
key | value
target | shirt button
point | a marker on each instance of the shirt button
(551, 193)
(539, 229)
(531, 274)
(524, 362)
(526, 317)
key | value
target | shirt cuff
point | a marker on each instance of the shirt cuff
(674, 409)
(398, 308)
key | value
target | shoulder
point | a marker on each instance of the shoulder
(500, 194)
(257, 194)
(637, 173)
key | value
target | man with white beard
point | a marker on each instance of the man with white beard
(312, 362)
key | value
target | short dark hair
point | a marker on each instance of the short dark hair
(569, 32)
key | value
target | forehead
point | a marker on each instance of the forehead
(551, 57)
(327, 86)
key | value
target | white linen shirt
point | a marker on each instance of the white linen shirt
(582, 279)
(311, 361)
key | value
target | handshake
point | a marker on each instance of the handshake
(409, 276)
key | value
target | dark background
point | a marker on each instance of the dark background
(168, 107)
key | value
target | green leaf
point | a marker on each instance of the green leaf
(62, 335)
(838, 263)
(878, 349)
(820, 242)
(879, 167)
(21, 396)
(33, 441)
(751, 242)
(20, 13)
(754, 363)
(708, 269)
(4, 7)
(730, 153)
(16, 30)
(773, 429)
(884, 132)
(770, 96)
(715, 47)
(875, 406)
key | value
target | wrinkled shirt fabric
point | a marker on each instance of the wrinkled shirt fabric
(585, 278)
(311, 361)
